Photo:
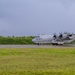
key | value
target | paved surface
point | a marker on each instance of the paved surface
(34, 46)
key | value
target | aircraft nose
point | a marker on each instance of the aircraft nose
(33, 40)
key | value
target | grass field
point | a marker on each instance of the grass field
(37, 61)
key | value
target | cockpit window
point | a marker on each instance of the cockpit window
(38, 38)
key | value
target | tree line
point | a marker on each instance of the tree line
(16, 40)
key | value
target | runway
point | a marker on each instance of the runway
(34, 46)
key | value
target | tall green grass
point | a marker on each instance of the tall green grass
(37, 61)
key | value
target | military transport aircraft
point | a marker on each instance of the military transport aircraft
(60, 39)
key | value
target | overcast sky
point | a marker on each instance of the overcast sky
(33, 17)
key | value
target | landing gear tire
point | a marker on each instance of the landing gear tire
(38, 44)
(54, 44)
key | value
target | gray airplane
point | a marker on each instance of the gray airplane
(60, 39)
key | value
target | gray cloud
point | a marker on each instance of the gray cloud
(32, 17)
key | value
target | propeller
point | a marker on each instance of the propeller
(60, 35)
(54, 36)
